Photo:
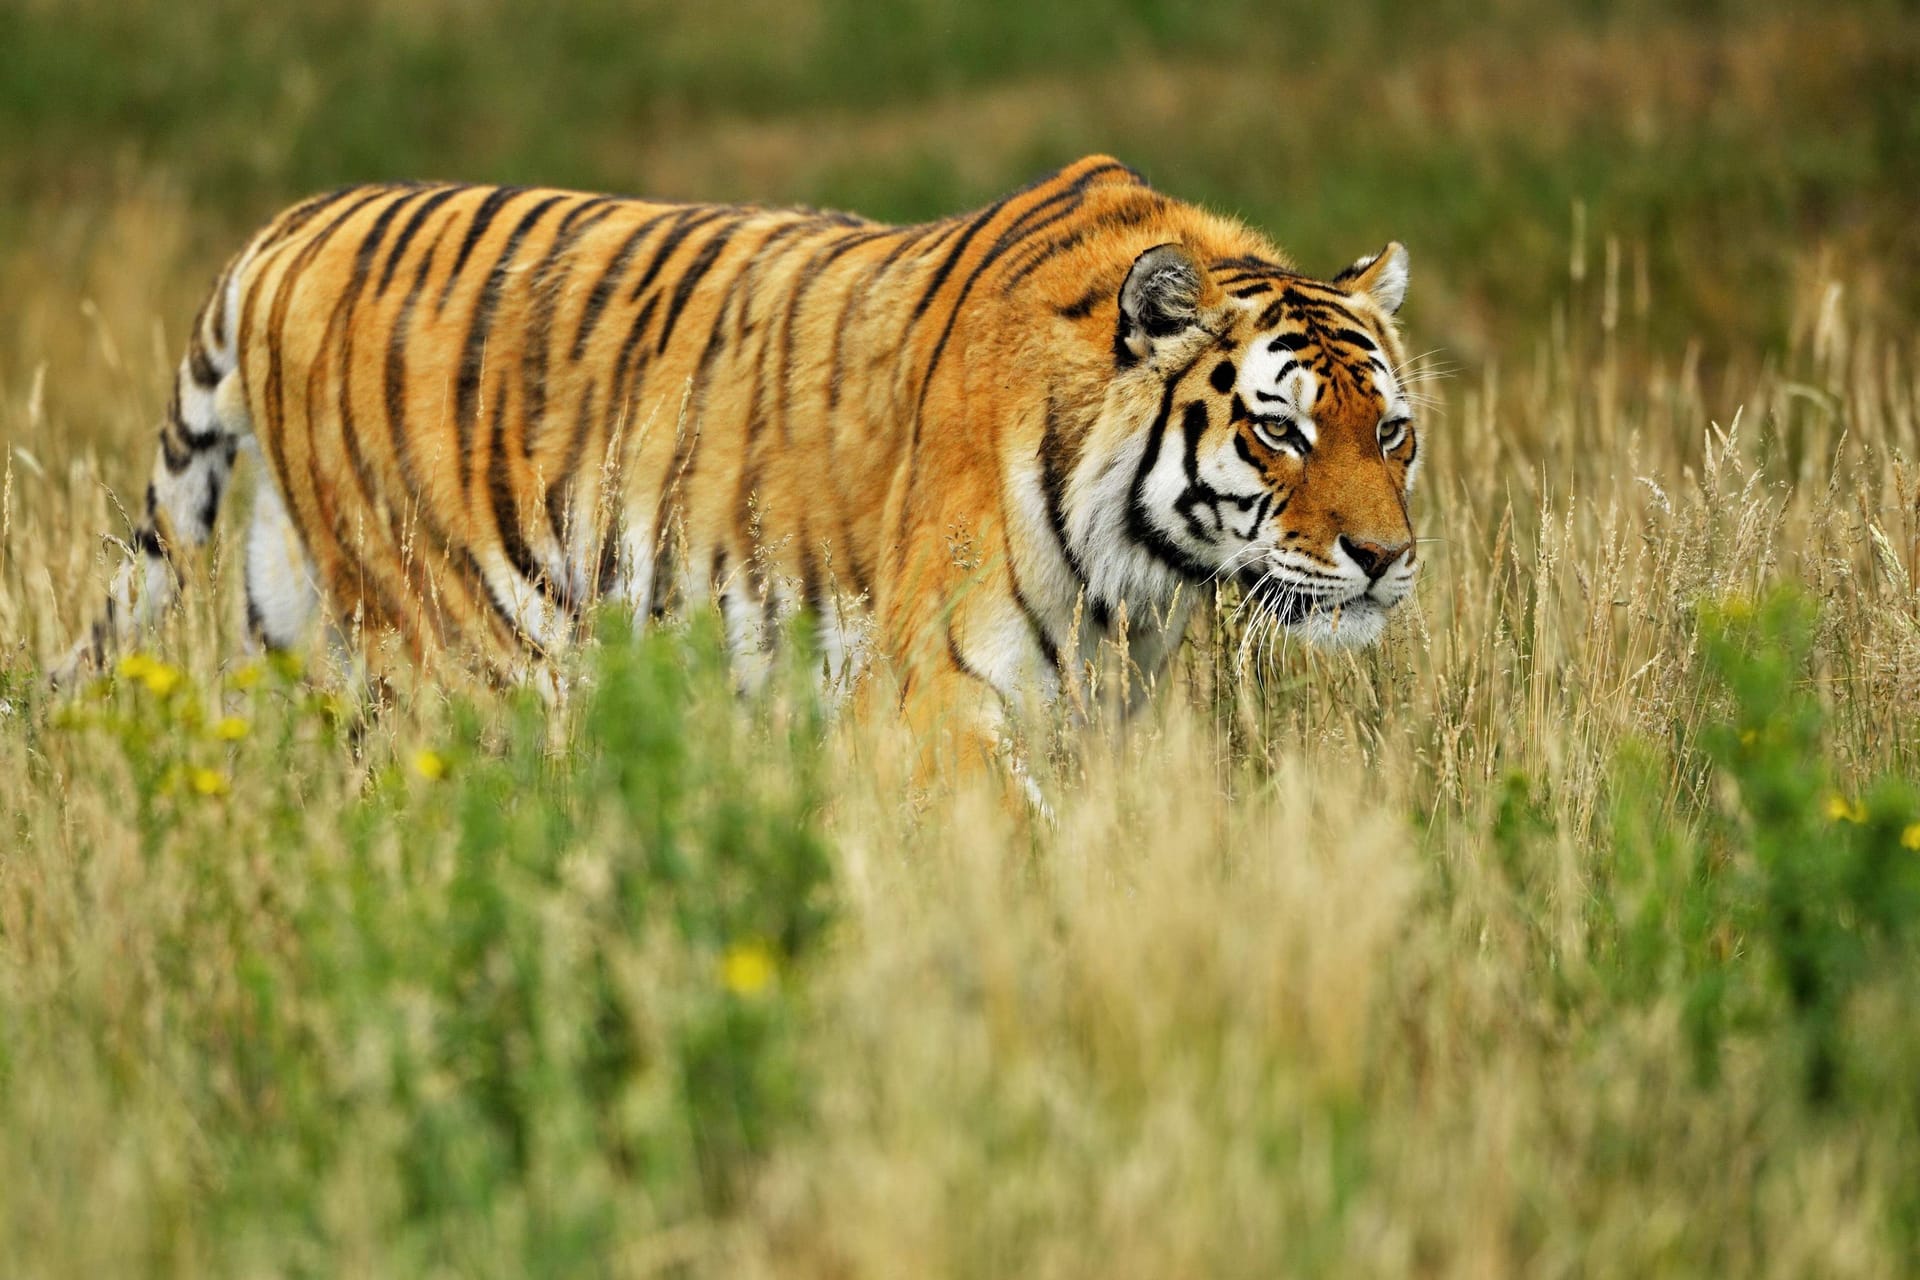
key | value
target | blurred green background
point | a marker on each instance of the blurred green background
(1727, 146)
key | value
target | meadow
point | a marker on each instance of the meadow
(1573, 931)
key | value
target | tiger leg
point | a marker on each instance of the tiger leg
(977, 677)
(281, 595)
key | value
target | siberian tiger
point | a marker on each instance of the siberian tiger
(990, 442)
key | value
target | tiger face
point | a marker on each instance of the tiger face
(1284, 450)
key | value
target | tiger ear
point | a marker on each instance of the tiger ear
(1163, 295)
(1381, 276)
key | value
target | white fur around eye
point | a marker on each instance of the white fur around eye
(1282, 435)
(1274, 384)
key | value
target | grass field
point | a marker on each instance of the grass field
(1574, 931)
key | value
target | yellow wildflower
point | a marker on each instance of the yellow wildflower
(230, 728)
(747, 969)
(246, 675)
(1841, 809)
(430, 765)
(208, 782)
(1910, 837)
(158, 677)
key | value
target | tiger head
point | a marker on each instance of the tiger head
(1283, 450)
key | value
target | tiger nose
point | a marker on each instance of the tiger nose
(1373, 558)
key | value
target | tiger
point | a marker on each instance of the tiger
(980, 447)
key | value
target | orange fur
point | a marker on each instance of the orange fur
(484, 407)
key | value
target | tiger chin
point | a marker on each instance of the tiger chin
(984, 446)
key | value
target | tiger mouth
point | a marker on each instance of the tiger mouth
(1288, 605)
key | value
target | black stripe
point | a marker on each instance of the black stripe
(627, 363)
(370, 245)
(952, 260)
(348, 533)
(833, 253)
(146, 540)
(751, 444)
(560, 492)
(342, 320)
(761, 253)
(959, 659)
(856, 296)
(219, 302)
(665, 568)
(1008, 239)
(195, 441)
(407, 233)
(1082, 307)
(273, 394)
(810, 274)
(364, 480)
(574, 214)
(1131, 215)
(690, 279)
(466, 389)
(500, 496)
(784, 384)
(1140, 526)
(1250, 265)
(394, 389)
(482, 219)
(862, 574)
(1273, 277)
(304, 212)
(812, 589)
(256, 622)
(1058, 459)
(609, 567)
(739, 291)
(199, 364)
(544, 286)
(1260, 514)
(689, 221)
(609, 281)
(687, 456)
(913, 237)
(395, 372)
(1193, 421)
(1029, 222)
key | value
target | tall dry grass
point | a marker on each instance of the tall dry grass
(1319, 970)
